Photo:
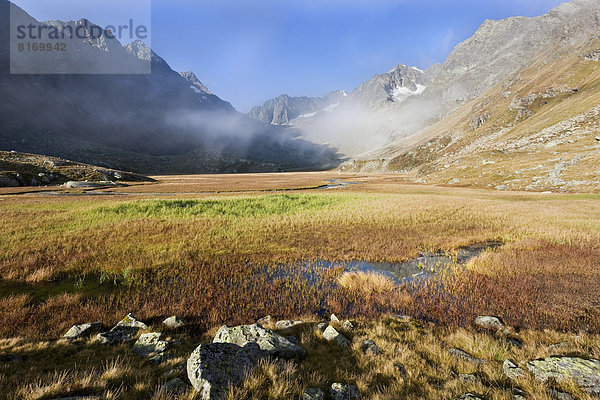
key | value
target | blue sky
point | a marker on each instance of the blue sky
(247, 51)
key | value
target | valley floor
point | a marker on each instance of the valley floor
(224, 249)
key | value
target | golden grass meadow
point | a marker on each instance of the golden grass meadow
(230, 253)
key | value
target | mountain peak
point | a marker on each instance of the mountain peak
(194, 81)
(142, 51)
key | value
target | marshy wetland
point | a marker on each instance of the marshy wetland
(234, 249)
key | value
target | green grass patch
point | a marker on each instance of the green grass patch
(231, 207)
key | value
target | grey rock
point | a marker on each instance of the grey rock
(348, 326)
(267, 340)
(213, 367)
(332, 335)
(173, 322)
(334, 319)
(586, 373)
(469, 396)
(489, 323)
(265, 321)
(313, 394)
(130, 320)
(369, 347)
(150, 344)
(118, 334)
(175, 386)
(512, 370)
(83, 330)
(343, 391)
(286, 324)
(458, 353)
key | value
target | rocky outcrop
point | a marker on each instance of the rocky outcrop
(268, 341)
(124, 331)
(213, 368)
(586, 373)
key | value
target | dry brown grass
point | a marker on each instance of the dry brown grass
(366, 283)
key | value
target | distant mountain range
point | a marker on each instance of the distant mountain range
(152, 123)
(516, 106)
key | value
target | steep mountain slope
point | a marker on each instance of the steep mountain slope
(158, 122)
(284, 109)
(539, 130)
(518, 108)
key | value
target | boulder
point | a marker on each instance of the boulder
(334, 319)
(369, 347)
(213, 367)
(286, 324)
(173, 322)
(118, 334)
(489, 323)
(332, 335)
(83, 330)
(313, 394)
(130, 320)
(586, 373)
(556, 394)
(343, 391)
(268, 341)
(150, 344)
(458, 353)
(512, 370)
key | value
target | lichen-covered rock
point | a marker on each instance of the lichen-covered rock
(512, 370)
(173, 322)
(489, 323)
(131, 321)
(586, 373)
(150, 344)
(83, 330)
(213, 367)
(466, 356)
(369, 347)
(118, 334)
(332, 335)
(343, 391)
(313, 394)
(268, 341)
